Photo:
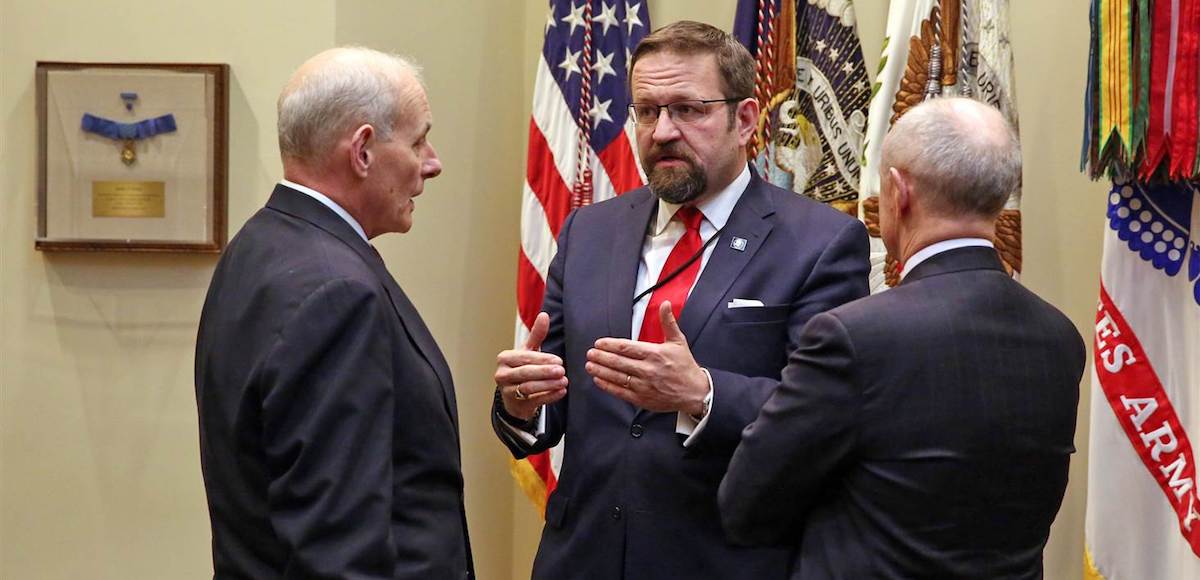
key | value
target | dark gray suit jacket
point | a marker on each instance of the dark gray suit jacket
(328, 429)
(924, 432)
(632, 502)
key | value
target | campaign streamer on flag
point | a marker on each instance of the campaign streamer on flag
(935, 48)
(1142, 108)
(581, 151)
(1143, 513)
(812, 89)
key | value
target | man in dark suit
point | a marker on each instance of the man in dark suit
(924, 432)
(650, 424)
(328, 429)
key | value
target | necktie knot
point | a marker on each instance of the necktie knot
(691, 218)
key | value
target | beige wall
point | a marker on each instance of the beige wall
(99, 476)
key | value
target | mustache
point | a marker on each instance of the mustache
(658, 152)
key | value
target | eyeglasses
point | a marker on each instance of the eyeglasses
(682, 112)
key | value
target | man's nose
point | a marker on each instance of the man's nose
(432, 166)
(665, 128)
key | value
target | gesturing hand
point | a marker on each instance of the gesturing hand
(656, 377)
(527, 378)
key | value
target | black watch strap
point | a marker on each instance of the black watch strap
(519, 423)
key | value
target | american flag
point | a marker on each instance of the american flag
(580, 152)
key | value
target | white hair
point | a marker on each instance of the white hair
(963, 156)
(350, 87)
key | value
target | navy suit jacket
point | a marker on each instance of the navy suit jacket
(924, 432)
(328, 429)
(631, 501)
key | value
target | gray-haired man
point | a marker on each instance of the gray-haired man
(924, 432)
(328, 431)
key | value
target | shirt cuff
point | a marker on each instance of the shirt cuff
(529, 438)
(687, 425)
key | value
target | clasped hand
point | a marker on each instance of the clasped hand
(527, 378)
(656, 377)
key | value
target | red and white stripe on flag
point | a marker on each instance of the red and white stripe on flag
(580, 152)
(1143, 512)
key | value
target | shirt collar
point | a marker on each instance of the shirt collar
(939, 247)
(716, 209)
(329, 203)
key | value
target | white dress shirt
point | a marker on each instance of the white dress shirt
(661, 237)
(329, 203)
(660, 240)
(939, 247)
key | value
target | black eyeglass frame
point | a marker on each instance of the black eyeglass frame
(658, 109)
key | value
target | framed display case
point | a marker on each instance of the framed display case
(132, 157)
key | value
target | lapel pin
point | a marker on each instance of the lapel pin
(738, 244)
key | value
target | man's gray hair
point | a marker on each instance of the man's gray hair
(355, 86)
(963, 156)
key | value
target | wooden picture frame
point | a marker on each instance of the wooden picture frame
(132, 157)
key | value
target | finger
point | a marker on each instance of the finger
(670, 327)
(537, 388)
(516, 358)
(547, 397)
(616, 362)
(609, 375)
(541, 326)
(618, 391)
(527, 373)
(625, 347)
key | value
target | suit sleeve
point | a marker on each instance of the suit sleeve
(806, 431)
(555, 421)
(328, 425)
(839, 276)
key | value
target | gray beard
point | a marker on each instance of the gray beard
(678, 185)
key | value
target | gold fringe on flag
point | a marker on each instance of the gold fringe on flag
(531, 483)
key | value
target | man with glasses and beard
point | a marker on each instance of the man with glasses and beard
(669, 312)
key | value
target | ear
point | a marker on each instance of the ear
(747, 119)
(361, 155)
(901, 190)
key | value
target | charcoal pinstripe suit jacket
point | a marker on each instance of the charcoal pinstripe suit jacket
(924, 432)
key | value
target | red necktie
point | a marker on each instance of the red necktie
(676, 289)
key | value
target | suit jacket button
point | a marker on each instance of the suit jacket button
(637, 430)
(616, 512)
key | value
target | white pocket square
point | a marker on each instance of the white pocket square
(745, 303)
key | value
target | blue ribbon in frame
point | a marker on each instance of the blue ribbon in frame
(128, 132)
(122, 131)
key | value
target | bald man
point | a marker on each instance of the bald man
(924, 432)
(328, 429)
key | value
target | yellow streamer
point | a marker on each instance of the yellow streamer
(1116, 74)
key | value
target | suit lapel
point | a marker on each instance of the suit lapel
(300, 205)
(749, 222)
(629, 234)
